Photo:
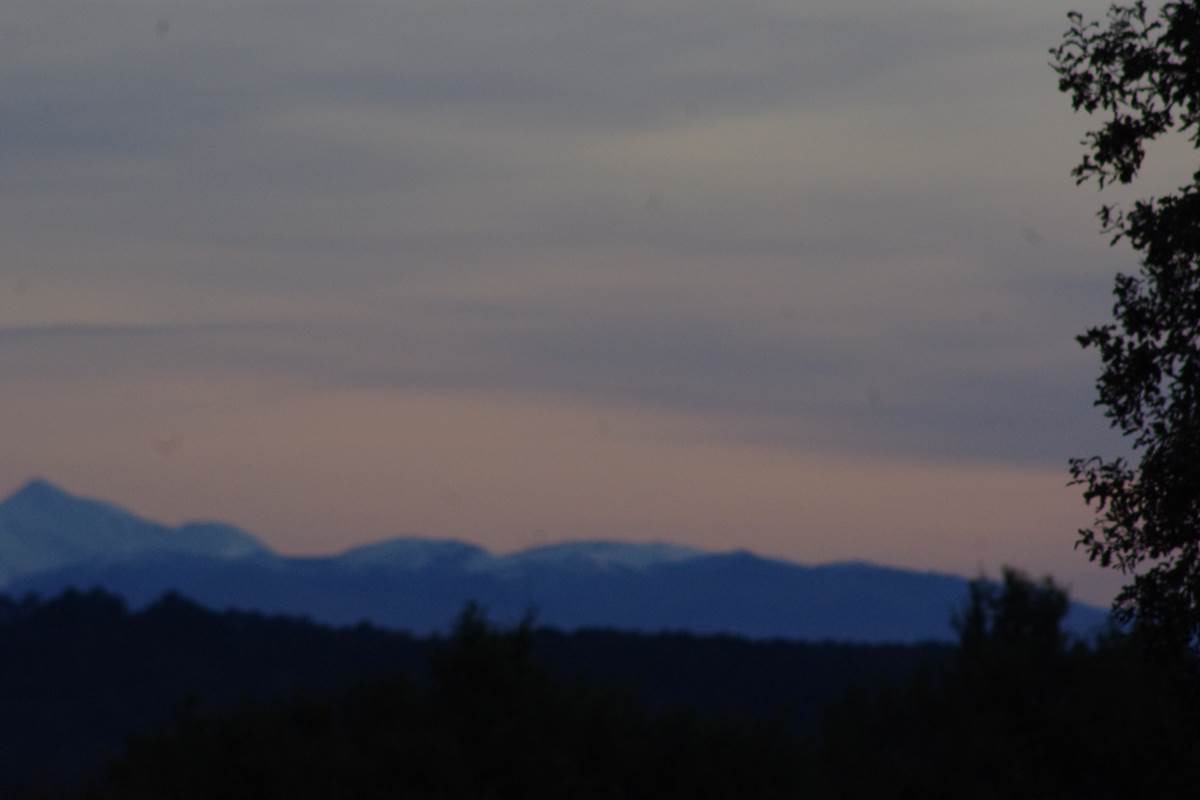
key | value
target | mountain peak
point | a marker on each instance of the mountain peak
(415, 552)
(44, 527)
(39, 492)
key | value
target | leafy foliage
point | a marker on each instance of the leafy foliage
(1141, 72)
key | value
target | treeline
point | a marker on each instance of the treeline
(81, 672)
(1017, 709)
(490, 723)
(1023, 711)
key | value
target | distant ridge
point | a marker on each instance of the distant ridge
(51, 539)
(44, 527)
(596, 553)
(414, 553)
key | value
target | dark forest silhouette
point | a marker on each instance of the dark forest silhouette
(80, 672)
(241, 705)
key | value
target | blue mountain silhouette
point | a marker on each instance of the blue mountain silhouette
(51, 539)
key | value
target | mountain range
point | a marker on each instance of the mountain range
(51, 539)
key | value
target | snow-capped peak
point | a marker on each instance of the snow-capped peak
(412, 552)
(43, 527)
(602, 553)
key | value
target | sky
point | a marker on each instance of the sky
(796, 277)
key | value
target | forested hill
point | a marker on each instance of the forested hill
(239, 705)
(81, 671)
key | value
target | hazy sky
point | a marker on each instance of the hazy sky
(799, 277)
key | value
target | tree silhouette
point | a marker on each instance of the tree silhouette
(1023, 710)
(1017, 617)
(1141, 72)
